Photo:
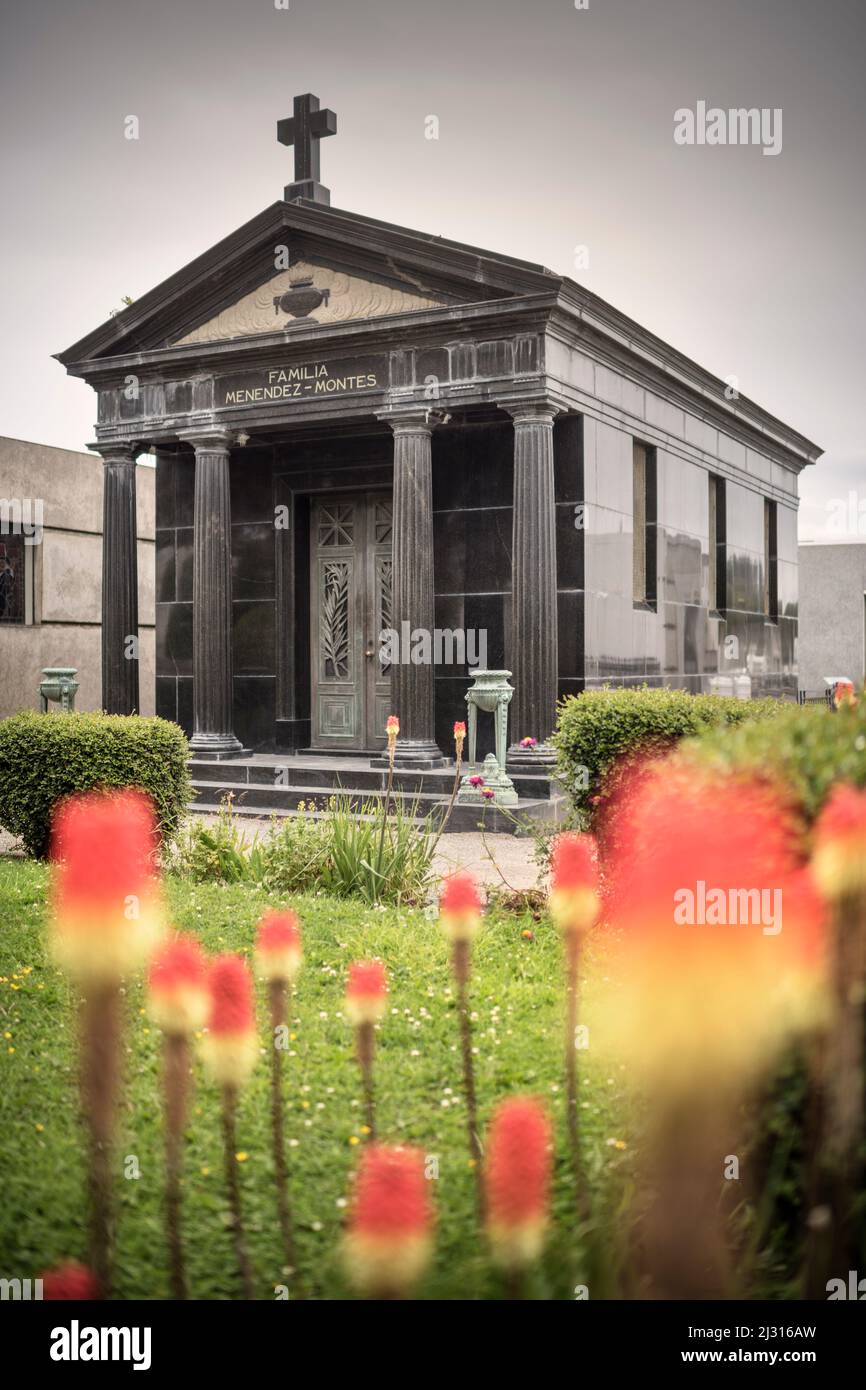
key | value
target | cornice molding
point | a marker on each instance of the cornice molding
(531, 299)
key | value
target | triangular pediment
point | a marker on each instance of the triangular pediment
(369, 269)
(344, 296)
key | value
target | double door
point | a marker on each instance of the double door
(350, 607)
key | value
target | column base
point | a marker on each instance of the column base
(411, 755)
(542, 758)
(217, 746)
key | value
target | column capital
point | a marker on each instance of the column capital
(116, 450)
(209, 438)
(530, 409)
(413, 419)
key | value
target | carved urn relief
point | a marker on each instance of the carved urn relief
(301, 298)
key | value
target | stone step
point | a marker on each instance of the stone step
(344, 774)
(265, 801)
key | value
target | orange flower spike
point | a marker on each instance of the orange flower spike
(178, 996)
(460, 907)
(517, 1179)
(392, 729)
(839, 854)
(708, 902)
(366, 992)
(107, 900)
(230, 1049)
(574, 900)
(71, 1281)
(459, 735)
(278, 947)
(389, 1238)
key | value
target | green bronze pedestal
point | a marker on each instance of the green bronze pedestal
(491, 693)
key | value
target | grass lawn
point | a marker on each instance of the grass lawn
(517, 997)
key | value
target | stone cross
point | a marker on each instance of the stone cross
(304, 130)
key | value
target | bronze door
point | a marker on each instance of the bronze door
(350, 606)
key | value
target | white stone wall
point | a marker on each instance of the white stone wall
(67, 575)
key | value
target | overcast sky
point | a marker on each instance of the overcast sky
(556, 131)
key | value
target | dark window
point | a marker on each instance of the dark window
(644, 522)
(771, 556)
(12, 608)
(718, 568)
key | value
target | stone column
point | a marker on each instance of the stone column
(412, 686)
(120, 693)
(213, 733)
(534, 639)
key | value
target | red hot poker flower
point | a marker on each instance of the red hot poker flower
(178, 990)
(460, 907)
(517, 1177)
(278, 946)
(718, 935)
(72, 1281)
(366, 992)
(839, 855)
(230, 1046)
(389, 1237)
(107, 908)
(574, 899)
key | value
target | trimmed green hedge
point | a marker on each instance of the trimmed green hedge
(594, 730)
(808, 748)
(44, 757)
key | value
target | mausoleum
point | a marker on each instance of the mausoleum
(360, 430)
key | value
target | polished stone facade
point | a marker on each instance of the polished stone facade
(501, 419)
(682, 643)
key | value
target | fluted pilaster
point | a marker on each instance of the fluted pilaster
(412, 685)
(120, 690)
(534, 641)
(212, 599)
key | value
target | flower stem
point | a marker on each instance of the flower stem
(366, 1046)
(832, 1246)
(572, 950)
(277, 995)
(454, 790)
(229, 1110)
(100, 1074)
(176, 1083)
(385, 812)
(461, 972)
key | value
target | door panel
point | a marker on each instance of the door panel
(350, 589)
(379, 577)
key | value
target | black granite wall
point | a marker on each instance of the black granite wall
(681, 643)
(472, 506)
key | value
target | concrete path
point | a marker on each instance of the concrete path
(512, 856)
(490, 858)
